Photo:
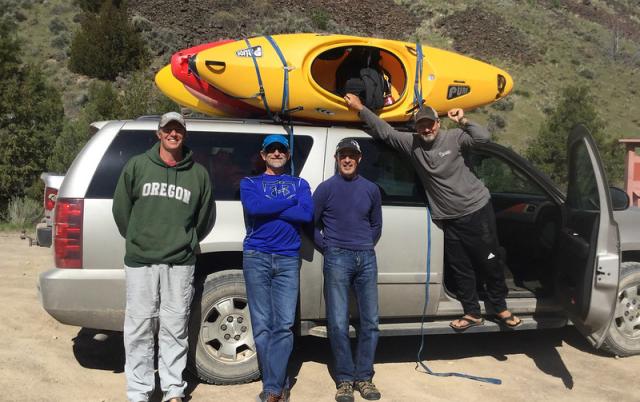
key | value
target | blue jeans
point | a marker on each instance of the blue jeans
(344, 269)
(272, 289)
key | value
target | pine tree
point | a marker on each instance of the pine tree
(28, 132)
(107, 44)
(548, 150)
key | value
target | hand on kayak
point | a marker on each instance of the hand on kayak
(353, 102)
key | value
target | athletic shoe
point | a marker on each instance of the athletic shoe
(344, 392)
(368, 390)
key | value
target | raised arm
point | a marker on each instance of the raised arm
(378, 128)
(471, 133)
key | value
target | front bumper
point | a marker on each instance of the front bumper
(84, 297)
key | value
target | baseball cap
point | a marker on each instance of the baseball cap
(348, 143)
(171, 116)
(426, 112)
(275, 138)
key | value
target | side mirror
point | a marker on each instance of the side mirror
(619, 199)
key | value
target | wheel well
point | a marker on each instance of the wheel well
(219, 261)
(631, 255)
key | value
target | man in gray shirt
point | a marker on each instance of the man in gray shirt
(460, 203)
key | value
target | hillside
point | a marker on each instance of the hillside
(545, 45)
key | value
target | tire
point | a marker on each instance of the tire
(222, 349)
(623, 337)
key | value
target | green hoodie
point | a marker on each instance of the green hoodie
(162, 211)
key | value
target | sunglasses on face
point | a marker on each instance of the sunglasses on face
(426, 124)
(168, 130)
(273, 148)
(351, 155)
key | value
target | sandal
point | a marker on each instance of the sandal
(509, 320)
(469, 322)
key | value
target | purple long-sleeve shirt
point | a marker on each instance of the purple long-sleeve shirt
(348, 213)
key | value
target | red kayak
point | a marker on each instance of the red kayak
(202, 90)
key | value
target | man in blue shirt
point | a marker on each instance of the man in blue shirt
(275, 205)
(348, 223)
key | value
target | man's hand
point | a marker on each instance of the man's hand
(457, 115)
(353, 102)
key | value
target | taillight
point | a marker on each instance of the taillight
(50, 195)
(68, 233)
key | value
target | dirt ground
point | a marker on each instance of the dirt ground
(42, 360)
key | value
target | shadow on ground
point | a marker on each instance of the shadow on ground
(541, 346)
(102, 350)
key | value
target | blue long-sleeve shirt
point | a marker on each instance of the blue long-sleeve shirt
(348, 213)
(275, 207)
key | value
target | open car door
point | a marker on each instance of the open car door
(588, 258)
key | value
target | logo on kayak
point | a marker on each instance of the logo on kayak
(456, 91)
(325, 111)
(255, 51)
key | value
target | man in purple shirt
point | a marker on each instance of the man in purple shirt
(348, 223)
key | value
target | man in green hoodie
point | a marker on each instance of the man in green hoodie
(162, 206)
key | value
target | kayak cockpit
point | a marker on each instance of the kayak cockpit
(336, 69)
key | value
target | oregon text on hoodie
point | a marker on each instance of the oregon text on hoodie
(162, 211)
(275, 206)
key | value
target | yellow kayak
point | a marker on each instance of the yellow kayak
(317, 69)
(176, 91)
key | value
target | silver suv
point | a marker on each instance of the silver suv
(570, 257)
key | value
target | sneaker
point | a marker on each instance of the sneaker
(368, 390)
(344, 392)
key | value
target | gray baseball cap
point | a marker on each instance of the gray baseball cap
(169, 117)
(426, 112)
(348, 143)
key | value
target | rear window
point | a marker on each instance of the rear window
(228, 157)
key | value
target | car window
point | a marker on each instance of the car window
(582, 192)
(499, 176)
(228, 157)
(392, 172)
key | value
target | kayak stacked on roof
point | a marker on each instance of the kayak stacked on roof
(306, 76)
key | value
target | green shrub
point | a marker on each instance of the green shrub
(107, 45)
(57, 25)
(60, 42)
(141, 24)
(504, 104)
(586, 73)
(496, 122)
(320, 18)
(23, 212)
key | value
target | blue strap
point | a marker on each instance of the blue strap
(424, 313)
(285, 98)
(255, 64)
(285, 90)
(417, 84)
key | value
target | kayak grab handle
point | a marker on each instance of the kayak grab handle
(411, 50)
(221, 65)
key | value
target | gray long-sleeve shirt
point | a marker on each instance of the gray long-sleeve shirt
(451, 188)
